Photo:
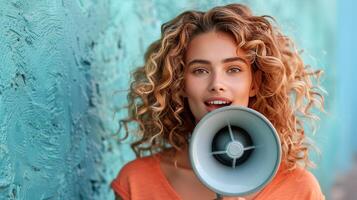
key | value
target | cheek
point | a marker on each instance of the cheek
(193, 87)
(241, 89)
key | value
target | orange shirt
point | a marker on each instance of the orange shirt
(142, 179)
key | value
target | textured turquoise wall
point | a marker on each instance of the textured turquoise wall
(50, 142)
(64, 69)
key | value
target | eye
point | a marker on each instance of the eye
(200, 71)
(234, 70)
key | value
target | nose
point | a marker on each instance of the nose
(217, 83)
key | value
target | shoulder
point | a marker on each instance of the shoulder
(136, 173)
(137, 167)
(295, 184)
(300, 175)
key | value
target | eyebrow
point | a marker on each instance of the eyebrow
(226, 60)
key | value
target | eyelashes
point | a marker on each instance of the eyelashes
(203, 70)
(235, 69)
(200, 71)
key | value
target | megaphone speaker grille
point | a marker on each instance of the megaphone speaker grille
(232, 146)
(235, 151)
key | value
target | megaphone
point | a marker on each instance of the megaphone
(235, 151)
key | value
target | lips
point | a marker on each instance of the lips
(217, 102)
(214, 107)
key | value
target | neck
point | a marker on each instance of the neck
(184, 159)
(179, 159)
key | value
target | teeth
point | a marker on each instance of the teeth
(217, 102)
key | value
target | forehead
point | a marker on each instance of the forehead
(212, 46)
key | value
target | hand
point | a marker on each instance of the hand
(248, 197)
(233, 198)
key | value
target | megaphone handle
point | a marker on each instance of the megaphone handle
(219, 197)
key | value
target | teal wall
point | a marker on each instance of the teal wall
(51, 145)
(64, 69)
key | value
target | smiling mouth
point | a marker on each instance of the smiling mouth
(212, 105)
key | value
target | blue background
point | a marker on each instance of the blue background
(64, 69)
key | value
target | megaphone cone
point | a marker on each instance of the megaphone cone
(235, 151)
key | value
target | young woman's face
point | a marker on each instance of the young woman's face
(216, 74)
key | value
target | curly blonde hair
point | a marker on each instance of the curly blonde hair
(288, 90)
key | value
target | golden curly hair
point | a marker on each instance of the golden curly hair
(288, 89)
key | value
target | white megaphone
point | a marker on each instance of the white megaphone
(235, 151)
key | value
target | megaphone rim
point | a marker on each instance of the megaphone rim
(254, 112)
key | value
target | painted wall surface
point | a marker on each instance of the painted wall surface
(50, 141)
(64, 71)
